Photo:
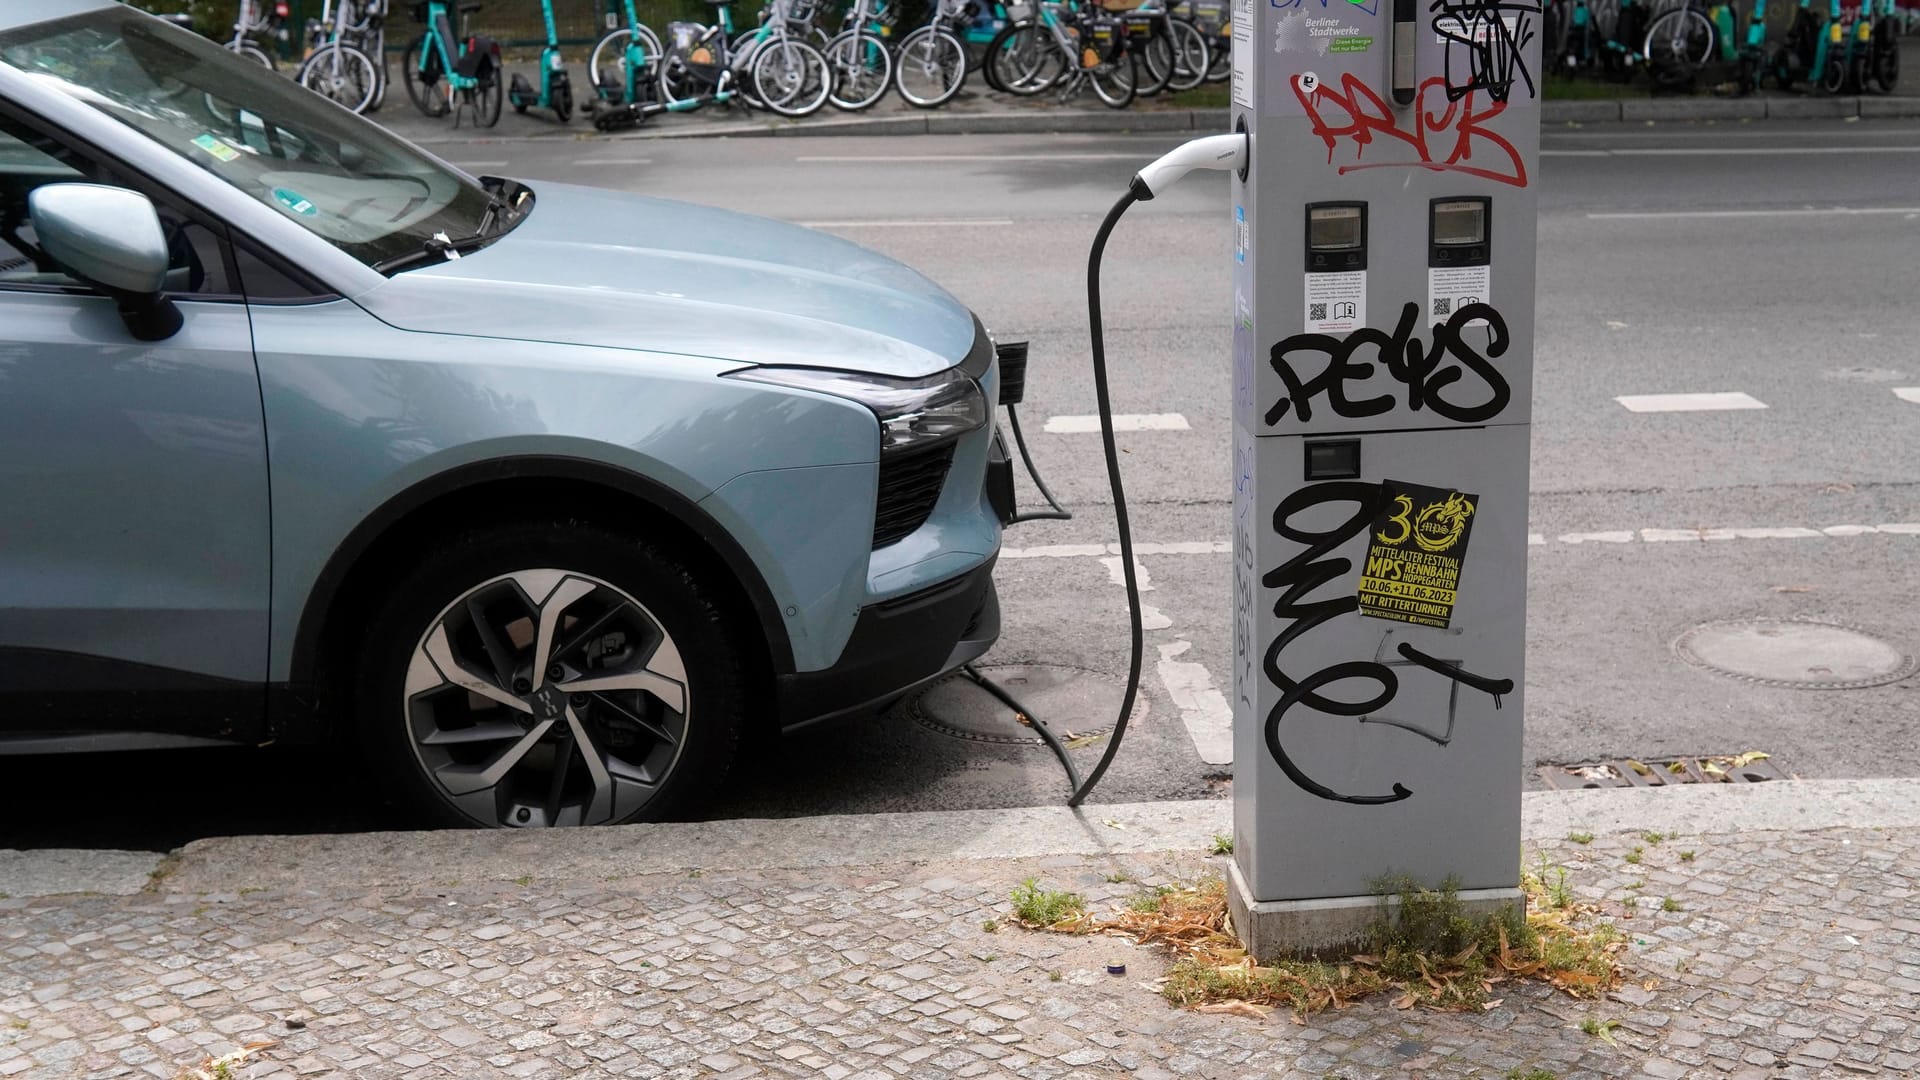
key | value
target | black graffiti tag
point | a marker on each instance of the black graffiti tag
(1407, 359)
(1300, 576)
(1496, 49)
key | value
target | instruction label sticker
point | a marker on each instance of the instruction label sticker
(1450, 288)
(1243, 53)
(1242, 237)
(1336, 303)
(1415, 553)
(216, 147)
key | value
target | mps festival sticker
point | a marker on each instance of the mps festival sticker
(1414, 557)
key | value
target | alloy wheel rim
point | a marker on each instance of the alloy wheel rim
(546, 697)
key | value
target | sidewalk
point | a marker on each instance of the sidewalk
(978, 111)
(858, 947)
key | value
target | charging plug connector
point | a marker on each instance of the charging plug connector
(1209, 152)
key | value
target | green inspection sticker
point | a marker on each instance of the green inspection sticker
(214, 146)
(294, 202)
(1355, 43)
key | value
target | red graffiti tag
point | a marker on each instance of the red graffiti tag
(1445, 138)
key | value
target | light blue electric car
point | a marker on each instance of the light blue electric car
(549, 496)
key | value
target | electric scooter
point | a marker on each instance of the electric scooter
(556, 92)
(631, 114)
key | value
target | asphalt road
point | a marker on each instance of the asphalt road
(1773, 259)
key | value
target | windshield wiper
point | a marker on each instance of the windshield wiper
(437, 248)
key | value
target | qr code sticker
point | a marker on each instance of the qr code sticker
(1317, 312)
(1442, 306)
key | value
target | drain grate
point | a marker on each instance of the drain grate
(1748, 768)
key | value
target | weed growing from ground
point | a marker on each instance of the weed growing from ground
(1043, 908)
(1582, 838)
(1222, 845)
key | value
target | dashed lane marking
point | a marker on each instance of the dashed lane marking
(480, 164)
(1830, 211)
(613, 161)
(923, 159)
(1689, 402)
(1083, 425)
(1907, 393)
(912, 223)
(1203, 709)
(1622, 536)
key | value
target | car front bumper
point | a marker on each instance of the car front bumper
(897, 646)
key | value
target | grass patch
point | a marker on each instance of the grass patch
(1551, 879)
(1207, 96)
(990, 925)
(1047, 909)
(1118, 877)
(1518, 1073)
(1430, 951)
(1222, 845)
(1686, 856)
(1600, 1029)
(1635, 855)
(1653, 838)
(1669, 904)
(1581, 838)
(523, 880)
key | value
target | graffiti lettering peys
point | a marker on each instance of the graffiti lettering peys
(1446, 131)
(1407, 359)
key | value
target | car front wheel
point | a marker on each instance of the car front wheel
(551, 674)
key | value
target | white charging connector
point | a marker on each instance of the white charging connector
(1207, 152)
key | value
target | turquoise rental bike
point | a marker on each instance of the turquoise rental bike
(556, 90)
(625, 62)
(442, 71)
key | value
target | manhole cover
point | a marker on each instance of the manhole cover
(1795, 654)
(1075, 704)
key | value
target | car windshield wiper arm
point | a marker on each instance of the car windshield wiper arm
(436, 248)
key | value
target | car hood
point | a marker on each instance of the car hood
(606, 268)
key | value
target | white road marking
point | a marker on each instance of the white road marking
(922, 223)
(480, 164)
(1757, 151)
(1830, 211)
(921, 159)
(1907, 393)
(1623, 536)
(1576, 153)
(1203, 709)
(613, 161)
(1083, 425)
(1689, 402)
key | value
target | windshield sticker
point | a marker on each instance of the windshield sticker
(214, 146)
(294, 203)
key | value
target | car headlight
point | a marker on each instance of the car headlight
(914, 413)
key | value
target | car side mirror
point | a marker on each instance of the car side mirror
(110, 238)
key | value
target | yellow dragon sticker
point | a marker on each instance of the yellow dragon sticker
(1412, 573)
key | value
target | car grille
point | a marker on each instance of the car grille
(909, 486)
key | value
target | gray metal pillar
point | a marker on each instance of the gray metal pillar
(1383, 356)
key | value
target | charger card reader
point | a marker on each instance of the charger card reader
(1336, 267)
(1459, 255)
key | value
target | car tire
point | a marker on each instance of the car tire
(620, 725)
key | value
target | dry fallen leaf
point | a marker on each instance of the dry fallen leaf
(1741, 761)
(1642, 769)
(1236, 1008)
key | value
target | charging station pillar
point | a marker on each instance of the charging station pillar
(1383, 355)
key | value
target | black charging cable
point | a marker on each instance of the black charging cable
(1104, 402)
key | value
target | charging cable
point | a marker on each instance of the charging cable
(1210, 152)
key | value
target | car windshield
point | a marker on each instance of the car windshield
(340, 177)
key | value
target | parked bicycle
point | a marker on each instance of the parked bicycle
(257, 18)
(624, 64)
(858, 57)
(1064, 49)
(347, 58)
(932, 63)
(773, 67)
(443, 72)
(1173, 51)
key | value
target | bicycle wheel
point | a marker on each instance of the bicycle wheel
(1191, 56)
(931, 68)
(341, 74)
(1219, 59)
(1116, 82)
(790, 77)
(1025, 61)
(1886, 54)
(607, 64)
(1156, 65)
(861, 67)
(254, 53)
(425, 80)
(376, 50)
(1680, 39)
(488, 97)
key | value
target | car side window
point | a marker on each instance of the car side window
(198, 264)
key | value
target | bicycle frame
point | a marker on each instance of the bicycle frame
(441, 40)
(636, 53)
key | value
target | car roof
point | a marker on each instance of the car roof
(15, 13)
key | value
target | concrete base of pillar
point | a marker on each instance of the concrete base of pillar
(1333, 927)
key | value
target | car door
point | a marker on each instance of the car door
(134, 520)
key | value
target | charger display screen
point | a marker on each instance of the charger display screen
(1460, 222)
(1335, 228)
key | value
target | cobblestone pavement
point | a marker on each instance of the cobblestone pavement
(1786, 955)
